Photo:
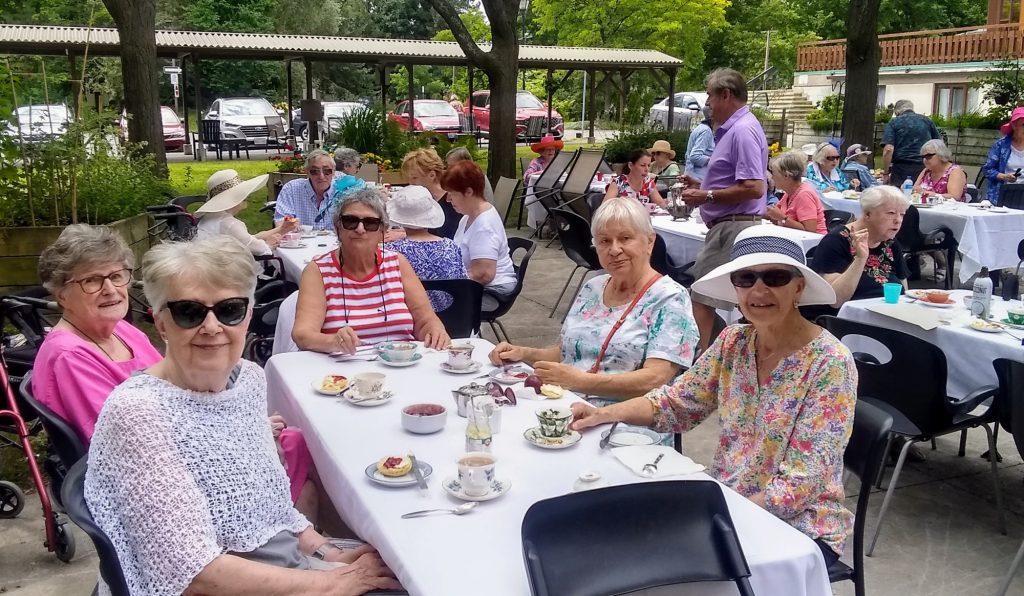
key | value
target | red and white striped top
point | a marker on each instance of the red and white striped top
(374, 307)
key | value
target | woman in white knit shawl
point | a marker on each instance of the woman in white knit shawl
(183, 474)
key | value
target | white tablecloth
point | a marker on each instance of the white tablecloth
(295, 259)
(535, 212)
(481, 553)
(835, 200)
(969, 353)
(685, 238)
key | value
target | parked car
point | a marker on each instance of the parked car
(432, 115)
(174, 131)
(244, 118)
(527, 105)
(686, 113)
(334, 113)
(39, 123)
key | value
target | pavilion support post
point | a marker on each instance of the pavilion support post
(187, 147)
(671, 97)
(470, 116)
(289, 87)
(382, 74)
(198, 90)
(549, 86)
(313, 126)
(412, 99)
(592, 107)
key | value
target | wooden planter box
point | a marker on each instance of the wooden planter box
(20, 249)
(277, 180)
(396, 178)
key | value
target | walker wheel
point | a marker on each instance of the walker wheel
(12, 500)
(65, 550)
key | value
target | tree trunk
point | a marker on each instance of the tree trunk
(136, 26)
(862, 60)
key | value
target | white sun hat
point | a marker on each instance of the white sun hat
(764, 245)
(226, 189)
(414, 207)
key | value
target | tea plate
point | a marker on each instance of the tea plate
(949, 304)
(408, 479)
(985, 326)
(319, 388)
(472, 368)
(1009, 324)
(629, 436)
(397, 364)
(352, 397)
(498, 487)
(509, 375)
(568, 440)
(299, 245)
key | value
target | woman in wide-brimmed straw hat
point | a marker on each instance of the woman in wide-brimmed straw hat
(547, 147)
(785, 390)
(226, 196)
(664, 159)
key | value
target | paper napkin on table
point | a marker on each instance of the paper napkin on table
(925, 318)
(673, 464)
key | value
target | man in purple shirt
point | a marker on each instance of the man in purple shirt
(733, 194)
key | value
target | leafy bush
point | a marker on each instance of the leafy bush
(991, 120)
(618, 149)
(883, 114)
(827, 115)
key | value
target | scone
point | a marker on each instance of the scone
(552, 391)
(333, 383)
(394, 466)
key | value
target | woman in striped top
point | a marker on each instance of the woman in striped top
(362, 293)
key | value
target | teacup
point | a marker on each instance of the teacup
(305, 230)
(554, 422)
(398, 351)
(1016, 315)
(369, 384)
(460, 355)
(291, 239)
(476, 473)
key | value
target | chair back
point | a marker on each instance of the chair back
(462, 317)
(1011, 196)
(834, 218)
(524, 162)
(209, 130)
(369, 172)
(883, 375)
(973, 195)
(909, 236)
(504, 192)
(577, 181)
(275, 126)
(283, 341)
(553, 172)
(535, 127)
(660, 543)
(188, 200)
(70, 447)
(1011, 398)
(506, 302)
(73, 497)
(577, 241)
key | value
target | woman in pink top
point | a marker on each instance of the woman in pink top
(940, 176)
(800, 207)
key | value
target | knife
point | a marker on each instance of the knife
(607, 438)
(420, 480)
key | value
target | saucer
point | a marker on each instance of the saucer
(499, 487)
(568, 440)
(416, 358)
(949, 304)
(629, 436)
(408, 479)
(985, 326)
(509, 375)
(299, 245)
(352, 397)
(472, 368)
(999, 210)
(1011, 325)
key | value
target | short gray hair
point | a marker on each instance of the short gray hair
(903, 105)
(459, 154)
(727, 79)
(78, 245)
(621, 210)
(819, 153)
(315, 154)
(218, 262)
(880, 195)
(939, 148)
(791, 164)
(345, 157)
(363, 196)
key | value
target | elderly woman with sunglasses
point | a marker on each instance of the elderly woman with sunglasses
(362, 293)
(940, 176)
(785, 391)
(823, 171)
(308, 199)
(194, 519)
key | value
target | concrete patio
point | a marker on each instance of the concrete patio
(940, 537)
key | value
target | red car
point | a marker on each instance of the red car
(527, 105)
(174, 132)
(432, 115)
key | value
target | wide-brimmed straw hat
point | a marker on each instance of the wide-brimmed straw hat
(226, 189)
(661, 146)
(856, 150)
(415, 207)
(547, 141)
(1017, 114)
(764, 245)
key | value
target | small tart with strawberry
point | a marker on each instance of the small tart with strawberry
(394, 466)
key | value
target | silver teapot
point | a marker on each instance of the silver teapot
(463, 395)
(675, 205)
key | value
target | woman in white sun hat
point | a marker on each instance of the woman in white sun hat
(431, 257)
(226, 196)
(785, 390)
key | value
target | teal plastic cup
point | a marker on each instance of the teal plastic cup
(892, 292)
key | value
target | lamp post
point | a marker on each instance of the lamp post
(524, 6)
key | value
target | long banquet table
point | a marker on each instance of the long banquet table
(685, 238)
(295, 259)
(480, 553)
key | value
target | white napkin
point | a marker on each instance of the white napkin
(673, 464)
(924, 317)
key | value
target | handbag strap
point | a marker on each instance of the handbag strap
(622, 319)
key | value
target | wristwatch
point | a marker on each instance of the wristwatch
(322, 550)
(710, 197)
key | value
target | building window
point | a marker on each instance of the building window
(954, 100)
(1009, 11)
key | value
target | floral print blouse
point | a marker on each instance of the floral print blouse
(643, 195)
(785, 439)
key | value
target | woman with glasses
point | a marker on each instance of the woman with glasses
(940, 176)
(308, 199)
(208, 512)
(664, 159)
(823, 171)
(362, 293)
(784, 388)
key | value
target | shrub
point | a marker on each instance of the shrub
(991, 120)
(618, 149)
(827, 115)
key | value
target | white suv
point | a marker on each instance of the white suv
(686, 114)
(244, 118)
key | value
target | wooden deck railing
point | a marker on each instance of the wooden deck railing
(941, 46)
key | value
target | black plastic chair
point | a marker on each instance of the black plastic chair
(490, 315)
(547, 185)
(578, 244)
(918, 403)
(211, 135)
(1011, 196)
(662, 262)
(462, 317)
(864, 457)
(187, 201)
(73, 495)
(66, 446)
(834, 218)
(651, 534)
(1011, 418)
(913, 241)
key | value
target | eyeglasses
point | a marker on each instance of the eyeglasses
(320, 172)
(773, 278)
(370, 224)
(832, 158)
(94, 283)
(189, 314)
(928, 155)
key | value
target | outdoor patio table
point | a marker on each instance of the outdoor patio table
(685, 238)
(481, 553)
(969, 353)
(295, 259)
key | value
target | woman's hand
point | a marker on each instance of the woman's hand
(585, 415)
(287, 225)
(346, 340)
(348, 556)
(859, 240)
(277, 424)
(855, 183)
(273, 240)
(829, 188)
(435, 337)
(557, 373)
(505, 353)
(775, 214)
(367, 573)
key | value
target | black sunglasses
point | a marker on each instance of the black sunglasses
(832, 158)
(773, 278)
(370, 224)
(928, 155)
(189, 314)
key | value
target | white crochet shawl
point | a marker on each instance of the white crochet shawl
(176, 478)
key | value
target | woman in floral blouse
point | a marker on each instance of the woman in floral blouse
(785, 391)
(657, 335)
(858, 258)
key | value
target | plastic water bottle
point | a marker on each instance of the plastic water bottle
(981, 298)
(908, 188)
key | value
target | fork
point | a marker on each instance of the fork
(652, 468)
